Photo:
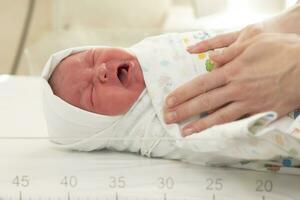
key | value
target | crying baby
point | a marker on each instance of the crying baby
(103, 80)
(99, 97)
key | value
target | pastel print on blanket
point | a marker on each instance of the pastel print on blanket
(246, 143)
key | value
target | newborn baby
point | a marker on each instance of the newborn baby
(103, 97)
(106, 80)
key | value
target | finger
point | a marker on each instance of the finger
(226, 114)
(219, 41)
(196, 86)
(221, 57)
(200, 104)
(251, 31)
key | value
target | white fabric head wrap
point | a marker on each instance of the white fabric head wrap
(74, 128)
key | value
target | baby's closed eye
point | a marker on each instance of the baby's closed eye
(90, 57)
(87, 97)
(92, 96)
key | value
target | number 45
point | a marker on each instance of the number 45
(21, 181)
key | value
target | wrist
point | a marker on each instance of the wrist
(295, 73)
(286, 22)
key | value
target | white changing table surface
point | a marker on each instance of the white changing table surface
(33, 168)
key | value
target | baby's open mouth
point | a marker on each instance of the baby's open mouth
(123, 73)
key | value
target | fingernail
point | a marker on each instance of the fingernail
(216, 52)
(171, 101)
(171, 116)
(191, 48)
(187, 131)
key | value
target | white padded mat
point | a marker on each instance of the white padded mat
(32, 168)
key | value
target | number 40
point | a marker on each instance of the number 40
(69, 181)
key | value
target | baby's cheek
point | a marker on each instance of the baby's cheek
(116, 100)
(125, 100)
(110, 102)
(85, 102)
(116, 108)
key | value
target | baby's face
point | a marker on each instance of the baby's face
(103, 80)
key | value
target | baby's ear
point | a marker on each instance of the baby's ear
(54, 80)
(52, 83)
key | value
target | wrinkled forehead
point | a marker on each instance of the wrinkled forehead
(76, 58)
(57, 57)
(69, 70)
(103, 52)
(72, 63)
(100, 54)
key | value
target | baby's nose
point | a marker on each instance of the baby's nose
(102, 72)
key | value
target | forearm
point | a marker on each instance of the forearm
(286, 22)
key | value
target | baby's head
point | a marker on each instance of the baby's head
(106, 81)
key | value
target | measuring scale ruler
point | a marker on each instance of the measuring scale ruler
(34, 169)
(31, 168)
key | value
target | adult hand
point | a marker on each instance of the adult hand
(232, 40)
(286, 22)
(263, 76)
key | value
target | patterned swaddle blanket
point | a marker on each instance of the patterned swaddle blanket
(249, 143)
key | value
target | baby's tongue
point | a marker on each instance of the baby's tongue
(122, 74)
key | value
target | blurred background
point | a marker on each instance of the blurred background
(31, 30)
